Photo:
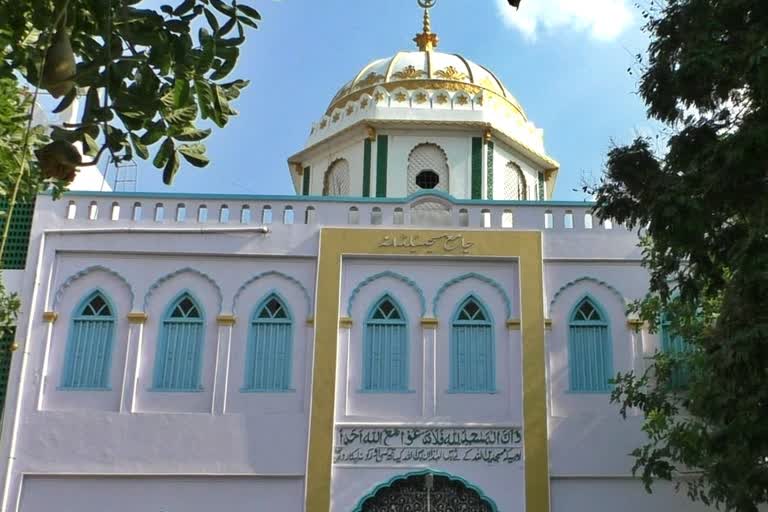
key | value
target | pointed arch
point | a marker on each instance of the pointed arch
(88, 353)
(178, 360)
(86, 271)
(385, 347)
(590, 359)
(428, 168)
(582, 279)
(472, 348)
(180, 271)
(336, 178)
(272, 273)
(393, 275)
(479, 277)
(515, 183)
(270, 346)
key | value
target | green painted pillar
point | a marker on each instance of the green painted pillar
(305, 182)
(382, 144)
(367, 168)
(477, 168)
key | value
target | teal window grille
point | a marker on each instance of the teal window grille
(473, 361)
(385, 348)
(675, 347)
(589, 348)
(88, 353)
(180, 348)
(270, 341)
(15, 255)
(6, 341)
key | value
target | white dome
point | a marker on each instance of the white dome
(425, 70)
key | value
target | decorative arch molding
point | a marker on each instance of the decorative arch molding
(340, 162)
(576, 281)
(425, 472)
(94, 268)
(427, 143)
(479, 277)
(273, 273)
(394, 275)
(170, 276)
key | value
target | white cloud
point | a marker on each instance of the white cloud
(604, 20)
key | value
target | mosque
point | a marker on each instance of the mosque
(420, 328)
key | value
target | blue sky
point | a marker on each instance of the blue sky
(565, 60)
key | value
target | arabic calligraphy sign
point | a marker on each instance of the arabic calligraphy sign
(438, 243)
(414, 445)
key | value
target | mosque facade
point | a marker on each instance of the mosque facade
(420, 328)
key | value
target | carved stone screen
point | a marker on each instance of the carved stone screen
(426, 493)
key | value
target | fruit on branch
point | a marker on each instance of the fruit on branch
(59, 159)
(59, 69)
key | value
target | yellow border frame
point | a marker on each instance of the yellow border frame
(335, 243)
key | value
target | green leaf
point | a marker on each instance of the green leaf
(194, 154)
(249, 11)
(184, 7)
(171, 167)
(205, 99)
(223, 8)
(155, 132)
(184, 115)
(140, 148)
(247, 21)
(228, 26)
(90, 146)
(167, 9)
(181, 91)
(225, 68)
(66, 101)
(164, 153)
(192, 134)
(212, 20)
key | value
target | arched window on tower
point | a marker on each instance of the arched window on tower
(385, 348)
(675, 347)
(270, 342)
(336, 180)
(589, 348)
(473, 361)
(179, 355)
(427, 168)
(88, 356)
(515, 186)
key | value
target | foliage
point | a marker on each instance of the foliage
(148, 76)
(700, 205)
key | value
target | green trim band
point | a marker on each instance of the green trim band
(489, 170)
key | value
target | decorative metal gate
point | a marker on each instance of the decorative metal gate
(426, 493)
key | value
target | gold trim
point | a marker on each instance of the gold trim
(513, 324)
(409, 72)
(226, 319)
(429, 322)
(50, 316)
(311, 320)
(548, 324)
(635, 323)
(137, 317)
(370, 133)
(345, 322)
(372, 78)
(420, 98)
(14, 346)
(451, 73)
(334, 243)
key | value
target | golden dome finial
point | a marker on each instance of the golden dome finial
(426, 41)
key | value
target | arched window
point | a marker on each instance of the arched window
(336, 180)
(515, 186)
(674, 346)
(385, 348)
(589, 348)
(180, 348)
(427, 168)
(88, 356)
(270, 342)
(473, 361)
